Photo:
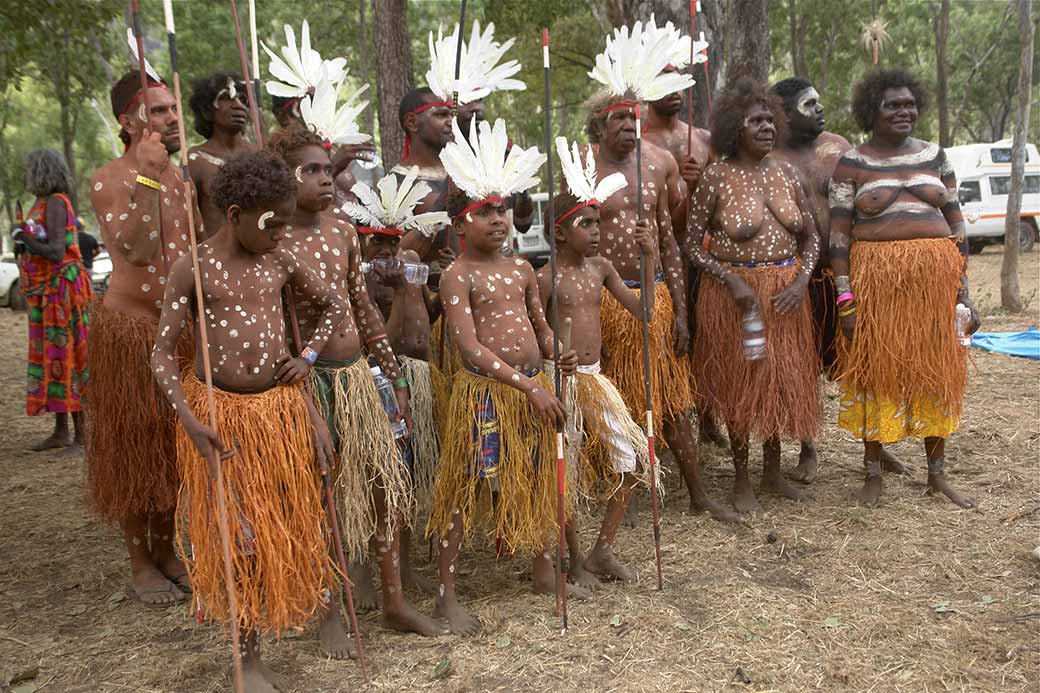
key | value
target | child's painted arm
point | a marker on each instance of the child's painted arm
(628, 298)
(536, 311)
(367, 317)
(544, 276)
(334, 307)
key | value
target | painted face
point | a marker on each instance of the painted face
(671, 104)
(313, 173)
(161, 119)
(260, 230)
(432, 126)
(582, 231)
(472, 112)
(759, 133)
(485, 228)
(619, 131)
(381, 246)
(230, 111)
(897, 114)
(807, 115)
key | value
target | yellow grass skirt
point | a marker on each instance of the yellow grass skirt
(347, 397)
(525, 516)
(774, 397)
(903, 374)
(671, 377)
(279, 544)
(429, 397)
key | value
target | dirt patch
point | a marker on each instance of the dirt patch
(914, 595)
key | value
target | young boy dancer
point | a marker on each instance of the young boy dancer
(373, 488)
(616, 445)
(502, 410)
(265, 438)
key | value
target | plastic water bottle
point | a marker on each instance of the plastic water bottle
(414, 272)
(754, 335)
(39, 231)
(389, 400)
(963, 321)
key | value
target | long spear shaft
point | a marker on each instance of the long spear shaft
(561, 468)
(254, 110)
(694, 4)
(644, 299)
(254, 50)
(222, 512)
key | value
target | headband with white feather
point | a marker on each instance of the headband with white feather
(334, 122)
(297, 72)
(485, 167)
(581, 180)
(390, 210)
(633, 62)
(679, 44)
(479, 71)
(154, 80)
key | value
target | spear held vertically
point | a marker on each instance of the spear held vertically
(254, 109)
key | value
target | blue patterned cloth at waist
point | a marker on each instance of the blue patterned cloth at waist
(786, 262)
(636, 284)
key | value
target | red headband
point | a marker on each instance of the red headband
(494, 199)
(573, 210)
(425, 107)
(621, 105)
(385, 231)
(137, 95)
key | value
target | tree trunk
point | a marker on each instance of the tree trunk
(745, 41)
(393, 59)
(941, 29)
(1010, 295)
(797, 26)
(68, 131)
(368, 117)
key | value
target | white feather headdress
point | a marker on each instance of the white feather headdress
(480, 167)
(335, 122)
(479, 71)
(298, 70)
(581, 180)
(148, 69)
(391, 207)
(679, 44)
(632, 62)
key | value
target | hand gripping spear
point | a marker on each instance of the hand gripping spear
(646, 354)
(326, 479)
(222, 512)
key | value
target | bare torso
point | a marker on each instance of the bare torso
(204, 161)
(579, 293)
(411, 336)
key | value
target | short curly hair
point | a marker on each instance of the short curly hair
(287, 140)
(47, 173)
(869, 91)
(595, 117)
(204, 93)
(727, 117)
(252, 180)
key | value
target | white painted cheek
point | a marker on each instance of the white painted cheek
(298, 174)
(142, 113)
(261, 223)
(469, 217)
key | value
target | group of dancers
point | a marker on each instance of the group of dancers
(347, 407)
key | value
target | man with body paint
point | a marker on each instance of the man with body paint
(142, 211)
(221, 116)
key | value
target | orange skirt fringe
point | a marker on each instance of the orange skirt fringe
(775, 397)
(279, 543)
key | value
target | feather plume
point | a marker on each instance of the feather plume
(633, 60)
(679, 45)
(335, 122)
(875, 30)
(298, 70)
(479, 71)
(480, 167)
(581, 180)
(392, 204)
(148, 69)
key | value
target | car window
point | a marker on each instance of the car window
(1001, 185)
(1032, 185)
(969, 191)
(1003, 155)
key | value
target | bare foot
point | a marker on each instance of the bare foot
(744, 498)
(54, 440)
(406, 619)
(808, 465)
(176, 572)
(602, 561)
(151, 588)
(459, 620)
(780, 486)
(631, 519)
(580, 575)
(718, 512)
(410, 579)
(937, 483)
(258, 678)
(709, 433)
(870, 494)
(333, 637)
(364, 591)
(891, 465)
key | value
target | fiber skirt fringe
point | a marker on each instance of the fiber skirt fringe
(671, 377)
(368, 453)
(774, 397)
(279, 545)
(525, 516)
(429, 395)
(131, 458)
(904, 373)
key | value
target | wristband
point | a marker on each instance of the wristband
(309, 355)
(376, 338)
(847, 313)
(401, 383)
(149, 182)
(847, 296)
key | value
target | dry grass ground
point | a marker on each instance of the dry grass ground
(912, 596)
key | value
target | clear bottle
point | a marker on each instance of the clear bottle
(963, 321)
(389, 400)
(414, 272)
(754, 334)
(37, 230)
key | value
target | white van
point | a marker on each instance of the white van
(533, 245)
(984, 181)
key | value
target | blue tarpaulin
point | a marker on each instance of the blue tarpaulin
(1025, 344)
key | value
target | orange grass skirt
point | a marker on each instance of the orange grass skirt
(279, 543)
(131, 459)
(775, 397)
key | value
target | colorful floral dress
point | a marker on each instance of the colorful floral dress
(57, 295)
